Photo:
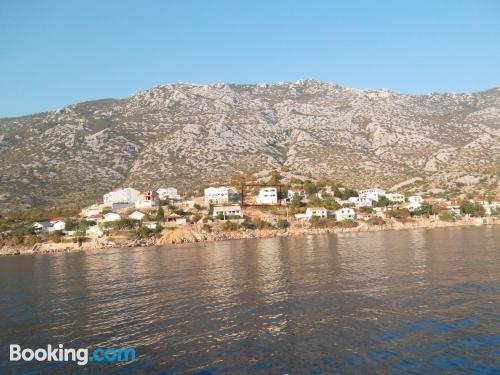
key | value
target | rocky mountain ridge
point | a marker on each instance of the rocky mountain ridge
(187, 134)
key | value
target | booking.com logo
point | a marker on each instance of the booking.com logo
(80, 356)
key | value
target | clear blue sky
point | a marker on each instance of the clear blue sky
(54, 53)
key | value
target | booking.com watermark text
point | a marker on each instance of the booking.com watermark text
(61, 354)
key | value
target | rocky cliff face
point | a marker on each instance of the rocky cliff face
(185, 134)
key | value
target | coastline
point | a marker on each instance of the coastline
(194, 234)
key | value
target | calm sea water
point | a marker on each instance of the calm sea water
(421, 302)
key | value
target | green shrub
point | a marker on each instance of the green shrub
(321, 222)
(445, 215)
(230, 226)
(143, 231)
(261, 224)
(282, 224)
(347, 223)
(376, 220)
(401, 214)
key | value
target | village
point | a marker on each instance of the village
(129, 216)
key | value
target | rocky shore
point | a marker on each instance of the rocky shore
(195, 234)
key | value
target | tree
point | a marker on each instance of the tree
(296, 201)
(366, 209)
(473, 209)
(331, 204)
(310, 187)
(344, 194)
(160, 214)
(383, 201)
(70, 225)
(426, 209)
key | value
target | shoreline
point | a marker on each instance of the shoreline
(190, 235)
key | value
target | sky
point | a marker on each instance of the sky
(58, 52)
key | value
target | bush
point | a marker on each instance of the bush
(282, 224)
(401, 214)
(347, 223)
(143, 231)
(376, 220)
(122, 224)
(55, 236)
(207, 228)
(262, 224)
(31, 240)
(230, 226)
(445, 215)
(321, 222)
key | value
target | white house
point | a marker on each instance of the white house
(345, 213)
(293, 192)
(268, 195)
(168, 193)
(137, 215)
(413, 206)
(453, 207)
(42, 227)
(227, 211)
(415, 199)
(216, 195)
(111, 216)
(126, 195)
(395, 197)
(59, 225)
(175, 219)
(316, 211)
(147, 199)
(373, 194)
(360, 201)
(489, 207)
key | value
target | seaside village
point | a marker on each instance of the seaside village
(296, 204)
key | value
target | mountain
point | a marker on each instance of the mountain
(187, 134)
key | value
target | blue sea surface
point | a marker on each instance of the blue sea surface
(400, 302)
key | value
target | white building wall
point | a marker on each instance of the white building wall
(268, 196)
